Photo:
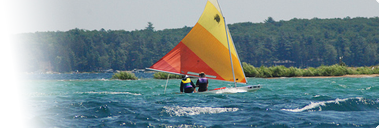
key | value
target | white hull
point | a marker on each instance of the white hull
(249, 88)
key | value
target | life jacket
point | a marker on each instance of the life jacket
(203, 80)
(187, 83)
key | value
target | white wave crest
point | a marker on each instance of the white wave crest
(185, 111)
(103, 79)
(225, 91)
(108, 93)
(230, 90)
(314, 105)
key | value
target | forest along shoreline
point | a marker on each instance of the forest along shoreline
(299, 43)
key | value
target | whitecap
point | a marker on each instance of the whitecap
(103, 79)
(344, 86)
(108, 93)
(225, 91)
(318, 105)
(230, 90)
(189, 111)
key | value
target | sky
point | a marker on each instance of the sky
(62, 15)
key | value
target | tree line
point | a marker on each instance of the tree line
(299, 43)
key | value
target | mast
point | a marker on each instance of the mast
(230, 54)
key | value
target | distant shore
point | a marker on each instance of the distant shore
(352, 76)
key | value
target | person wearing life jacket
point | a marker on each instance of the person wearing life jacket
(186, 85)
(202, 83)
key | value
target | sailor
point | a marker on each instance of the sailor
(202, 83)
(186, 85)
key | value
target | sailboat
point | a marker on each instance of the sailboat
(207, 48)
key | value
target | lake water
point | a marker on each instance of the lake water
(93, 100)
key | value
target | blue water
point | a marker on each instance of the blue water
(93, 100)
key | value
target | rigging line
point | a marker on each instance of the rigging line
(168, 76)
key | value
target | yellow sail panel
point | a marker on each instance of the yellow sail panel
(238, 71)
(213, 21)
(215, 4)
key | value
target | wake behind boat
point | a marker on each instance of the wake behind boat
(207, 48)
(223, 90)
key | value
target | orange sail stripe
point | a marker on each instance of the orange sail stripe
(182, 60)
(192, 63)
(171, 61)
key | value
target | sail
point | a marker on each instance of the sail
(205, 49)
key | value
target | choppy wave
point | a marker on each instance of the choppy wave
(348, 104)
(291, 102)
(99, 79)
(108, 93)
(189, 111)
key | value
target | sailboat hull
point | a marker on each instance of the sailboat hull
(249, 88)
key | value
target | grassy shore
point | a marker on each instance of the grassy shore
(124, 76)
(281, 71)
(163, 75)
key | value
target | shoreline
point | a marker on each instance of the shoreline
(351, 76)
